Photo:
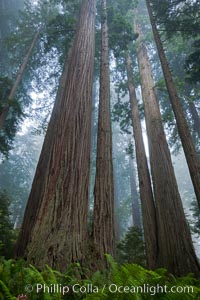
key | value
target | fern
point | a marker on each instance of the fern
(136, 276)
(4, 291)
(15, 275)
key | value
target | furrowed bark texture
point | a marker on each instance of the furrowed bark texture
(175, 249)
(103, 230)
(183, 129)
(38, 185)
(20, 73)
(59, 235)
(146, 194)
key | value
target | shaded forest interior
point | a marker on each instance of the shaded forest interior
(99, 148)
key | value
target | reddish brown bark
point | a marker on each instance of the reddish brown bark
(38, 186)
(175, 249)
(59, 233)
(103, 231)
(146, 194)
(183, 129)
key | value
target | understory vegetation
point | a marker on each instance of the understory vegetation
(125, 281)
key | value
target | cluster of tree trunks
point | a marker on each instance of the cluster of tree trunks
(183, 129)
(56, 213)
(171, 222)
(55, 230)
(146, 194)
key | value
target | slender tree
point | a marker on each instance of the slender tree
(146, 194)
(59, 228)
(174, 239)
(183, 129)
(134, 195)
(103, 229)
(9, 14)
(5, 110)
(116, 194)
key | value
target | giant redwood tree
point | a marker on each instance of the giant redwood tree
(175, 248)
(103, 229)
(38, 186)
(146, 194)
(183, 128)
(57, 232)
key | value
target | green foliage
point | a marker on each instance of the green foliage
(180, 18)
(192, 64)
(130, 150)
(7, 133)
(20, 278)
(17, 278)
(59, 33)
(122, 113)
(56, 22)
(7, 234)
(131, 248)
(120, 32)
(8, 15)
(123, 6)
(178, 15)
(130, 275)
(195, 226)
(5, 293)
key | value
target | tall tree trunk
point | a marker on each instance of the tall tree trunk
(38, 186)
(103, 230)
(93, 119)
(116, 206)
(134, 195)
(59, 235)
(183, 129)
(5, 110)
(146, 194)
(116, 193)
(176, 252)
